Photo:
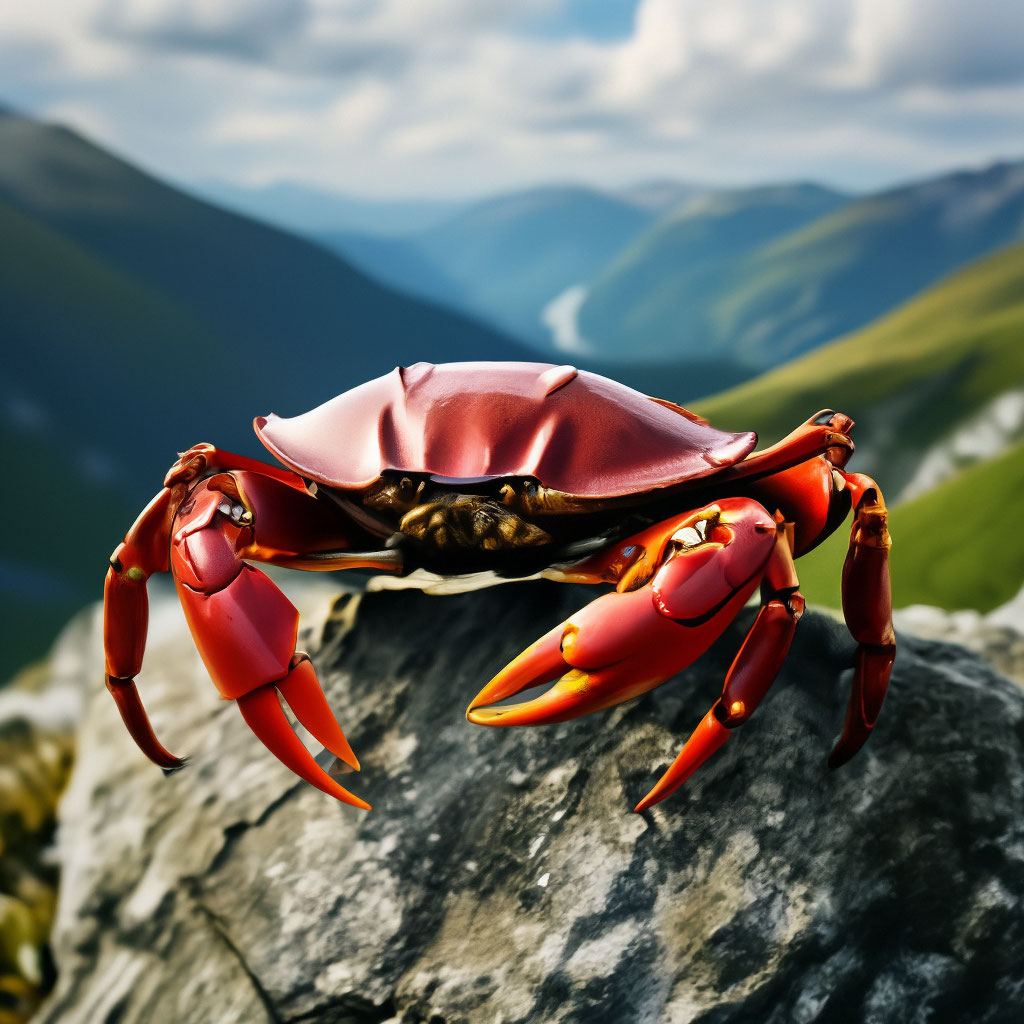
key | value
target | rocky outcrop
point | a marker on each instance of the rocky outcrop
(502, 875)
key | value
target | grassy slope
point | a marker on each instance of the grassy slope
(908, 380)
(958, 546)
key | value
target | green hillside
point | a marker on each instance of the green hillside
(959, 546)
(656, 299)
(826, 275)
(909, 381)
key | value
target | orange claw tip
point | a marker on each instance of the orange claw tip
(262, 711)
(706, 739)
(540, 663)
(301, 689)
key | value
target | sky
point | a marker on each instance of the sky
(466, 97)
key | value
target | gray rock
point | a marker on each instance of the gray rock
(502, 876)
(997, 636)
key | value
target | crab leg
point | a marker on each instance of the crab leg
(126, 617)
(751, 674)
(825, 433)
(145, 551)
(867, 606)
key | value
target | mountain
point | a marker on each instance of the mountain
(308, 210)
(658, 299)
(188, 306)
(661, 194)
(794, 291)
(922, 382)
(511, 255)
(507, 258)
(138, 320)
(397, 263)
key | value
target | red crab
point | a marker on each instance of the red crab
(482, 471)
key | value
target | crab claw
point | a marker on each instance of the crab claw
(616, 648)
(625, 644)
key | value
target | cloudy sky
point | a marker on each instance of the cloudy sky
(457, 97)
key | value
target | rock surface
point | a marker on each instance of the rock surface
(502, 876)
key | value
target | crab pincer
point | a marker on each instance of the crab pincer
(703, 567)
(244, 626)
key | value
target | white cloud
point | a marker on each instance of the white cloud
(460, 96)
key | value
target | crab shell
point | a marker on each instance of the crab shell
(570, 430)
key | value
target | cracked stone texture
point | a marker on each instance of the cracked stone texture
(502, 876)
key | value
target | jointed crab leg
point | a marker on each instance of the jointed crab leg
(751, 674)
(825, 433)
(202, 529)
(126, 617)
(867, 606)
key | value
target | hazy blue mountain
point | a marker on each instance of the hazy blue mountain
(657, 299)
(511, 255)
(693, 286)
(662, 194)
(398, 263)
(533, 245)
(136, 321)
(309, 210)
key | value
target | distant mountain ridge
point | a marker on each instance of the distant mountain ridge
(138, 320)
(311, 210)
(666, 272)
(787, 294)
(506, 257)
